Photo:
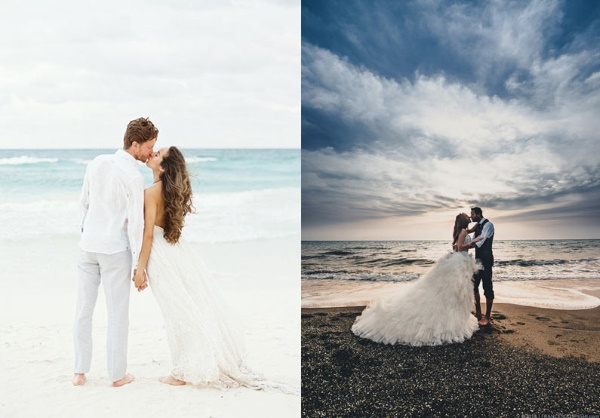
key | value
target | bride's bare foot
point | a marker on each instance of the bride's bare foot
(78, 379)
(170, 380)
(127, 379)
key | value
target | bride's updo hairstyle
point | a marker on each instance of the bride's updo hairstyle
(462, 221)
(176, 192)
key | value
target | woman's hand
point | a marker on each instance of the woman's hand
(140, 279)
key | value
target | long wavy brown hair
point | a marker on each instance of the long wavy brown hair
(461, 222)
(176, 192)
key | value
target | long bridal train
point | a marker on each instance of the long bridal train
(433, 310)
(206, 345)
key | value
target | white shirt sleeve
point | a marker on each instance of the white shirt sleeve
(135, 218)
(488, 231)
(84, 200)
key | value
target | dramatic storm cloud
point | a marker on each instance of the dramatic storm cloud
(208, 73)
(414, 111)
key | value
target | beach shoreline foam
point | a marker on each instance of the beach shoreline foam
(551, 294)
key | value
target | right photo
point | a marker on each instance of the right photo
(450, 208)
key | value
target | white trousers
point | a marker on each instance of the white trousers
(114, 271)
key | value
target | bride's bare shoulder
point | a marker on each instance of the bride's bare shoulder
(153, 193)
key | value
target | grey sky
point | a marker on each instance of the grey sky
(415, 111)
(209, 74)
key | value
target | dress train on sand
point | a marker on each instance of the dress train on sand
(435, 309)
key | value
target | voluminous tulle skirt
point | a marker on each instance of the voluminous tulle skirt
(433, 310)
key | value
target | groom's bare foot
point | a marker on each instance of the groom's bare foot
(484, 321)
(78, 379)
(170, 380)
(127, 379)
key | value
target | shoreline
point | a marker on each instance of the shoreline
(567, 294)
(529, 361)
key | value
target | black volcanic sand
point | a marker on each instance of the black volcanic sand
(347, 376)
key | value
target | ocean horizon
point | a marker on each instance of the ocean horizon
(400, 261)
(239, 194)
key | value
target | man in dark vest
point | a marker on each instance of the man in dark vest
(484, 253)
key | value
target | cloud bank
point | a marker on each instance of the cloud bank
(378, 146)
(209, 73)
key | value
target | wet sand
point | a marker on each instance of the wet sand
(559, 294)
(529, 361)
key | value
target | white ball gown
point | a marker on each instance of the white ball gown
(433, 310)
(206, 346)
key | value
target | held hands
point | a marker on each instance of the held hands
(140, 279)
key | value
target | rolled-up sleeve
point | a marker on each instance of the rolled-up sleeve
(488, 231)
(135, 217)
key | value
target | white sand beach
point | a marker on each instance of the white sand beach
(37, 301)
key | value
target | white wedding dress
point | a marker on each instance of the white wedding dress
(433, 310)
(206, 346)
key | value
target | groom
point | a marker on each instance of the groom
(484, 253)
(112, 224)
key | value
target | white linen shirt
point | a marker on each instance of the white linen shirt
(112, 206)
(486, 232)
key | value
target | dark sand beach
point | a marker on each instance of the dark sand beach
(530, 361)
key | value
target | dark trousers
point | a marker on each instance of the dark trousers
(484, 276)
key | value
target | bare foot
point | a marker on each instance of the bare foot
(127, 379)
(78, 379)
(484, 321)
(170, 380)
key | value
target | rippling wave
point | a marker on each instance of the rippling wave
(407, 260)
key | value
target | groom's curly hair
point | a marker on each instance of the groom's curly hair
(176, 192)
(139, 130)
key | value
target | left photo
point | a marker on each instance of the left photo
(150, 182)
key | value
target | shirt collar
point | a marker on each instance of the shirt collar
(481, 221)
(124, 154)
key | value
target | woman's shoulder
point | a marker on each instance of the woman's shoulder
(153, 192)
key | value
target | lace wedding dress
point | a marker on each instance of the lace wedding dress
(206, 346)
(433, 310)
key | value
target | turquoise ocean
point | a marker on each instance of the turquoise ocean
(239, 194)
(245, 199)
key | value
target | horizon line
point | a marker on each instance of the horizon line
(111, 148)
(406, 240)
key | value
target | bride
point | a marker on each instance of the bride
(205, 345)
(433, 310)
